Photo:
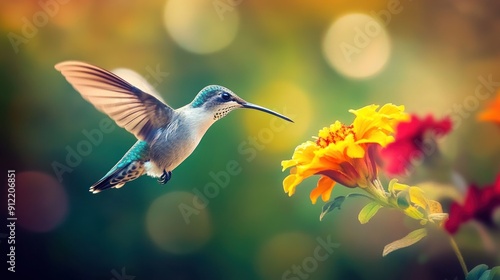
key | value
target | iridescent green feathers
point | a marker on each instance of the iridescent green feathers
(206, 93)
(130, 167)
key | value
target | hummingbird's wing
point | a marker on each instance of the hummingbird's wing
(138, 81)
(138, 112)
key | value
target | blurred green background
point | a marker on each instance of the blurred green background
(311, 60)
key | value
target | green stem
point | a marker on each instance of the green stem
(459, 256)
(376, 190)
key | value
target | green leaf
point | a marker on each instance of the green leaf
(329, 206)
(337, 202)
(481, 272)
(495, 273)
(412, 238)
(476, 272)
(413, 212)
(368, 212)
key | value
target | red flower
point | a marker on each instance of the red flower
(479, 204)
(413, 140)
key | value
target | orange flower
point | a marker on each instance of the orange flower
(344, 153)
(492, 111)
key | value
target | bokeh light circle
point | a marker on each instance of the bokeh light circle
(357, 45)
(177, 224)
(200, 26)
(41, 201)
(272, 132)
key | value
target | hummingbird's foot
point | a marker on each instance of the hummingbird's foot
(165, 177)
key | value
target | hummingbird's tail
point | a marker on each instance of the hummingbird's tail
(118, 176)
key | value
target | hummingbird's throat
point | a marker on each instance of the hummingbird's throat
(222, 112)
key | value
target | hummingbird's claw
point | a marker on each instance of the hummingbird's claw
(165, 177)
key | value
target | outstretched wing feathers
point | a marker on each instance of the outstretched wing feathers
(138, 81)
(138, 112)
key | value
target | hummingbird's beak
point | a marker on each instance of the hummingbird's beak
(260, 108)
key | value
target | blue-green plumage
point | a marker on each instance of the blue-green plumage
(139, 151)
(205, 94)
(128, 168)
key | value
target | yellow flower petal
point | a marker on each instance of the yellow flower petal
(365, 111)
(368, 121)
(391, 109)
(288, 163)
(355, 151)
(417, 197)
(290, 183)
(395, 187)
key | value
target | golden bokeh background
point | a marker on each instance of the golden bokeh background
(224, 214)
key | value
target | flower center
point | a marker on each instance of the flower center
(329, 136)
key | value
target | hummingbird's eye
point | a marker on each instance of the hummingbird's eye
(225, 96)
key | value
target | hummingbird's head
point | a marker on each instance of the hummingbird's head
(221, 101)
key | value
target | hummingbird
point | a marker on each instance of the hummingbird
(165, 136)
